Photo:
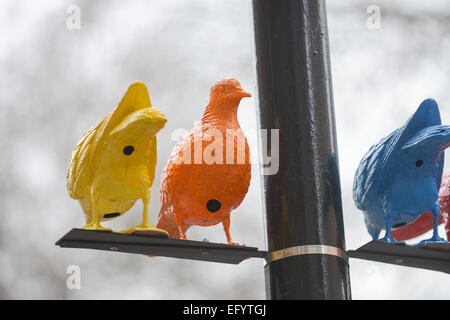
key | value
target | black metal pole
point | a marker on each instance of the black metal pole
(303, 199)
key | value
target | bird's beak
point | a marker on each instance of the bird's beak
(241, 93)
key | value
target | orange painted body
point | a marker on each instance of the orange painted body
(425, 222)
(196, 190)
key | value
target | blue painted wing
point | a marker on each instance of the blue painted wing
(372, 164)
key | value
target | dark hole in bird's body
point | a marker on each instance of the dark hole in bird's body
(401, 224)
(128, 150)
(111, 215)
(213, 205)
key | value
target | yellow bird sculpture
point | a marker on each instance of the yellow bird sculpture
(113, 165)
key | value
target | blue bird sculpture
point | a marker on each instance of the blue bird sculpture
(399, 177)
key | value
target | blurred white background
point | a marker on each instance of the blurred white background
(57, 82)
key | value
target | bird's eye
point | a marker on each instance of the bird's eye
(442, 130)
(128, 150)
(419, 163)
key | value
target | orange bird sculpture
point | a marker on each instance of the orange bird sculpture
(208, 172)
(425, 222)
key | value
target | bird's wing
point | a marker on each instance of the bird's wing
(184, 144)
(243, 172)
(370, 169)
(79, 176)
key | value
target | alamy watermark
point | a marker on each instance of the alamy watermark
(73, 21)
(73, 281)
(212, 146)
(373, 21)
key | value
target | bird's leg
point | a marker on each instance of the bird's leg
(436, 212)
(95, 221)
(388, 236)
(180, 222)
(145, 225)
(435, 238)
(226, 228)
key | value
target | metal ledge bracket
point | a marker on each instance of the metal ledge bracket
(156, 246)
(432, 256)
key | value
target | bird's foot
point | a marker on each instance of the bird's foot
(390, 240)
(182, 235)
(145, 227)
(235, 244)
(95, 226)
(433, 240)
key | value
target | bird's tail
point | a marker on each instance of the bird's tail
(373, 229)
(166, 221)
